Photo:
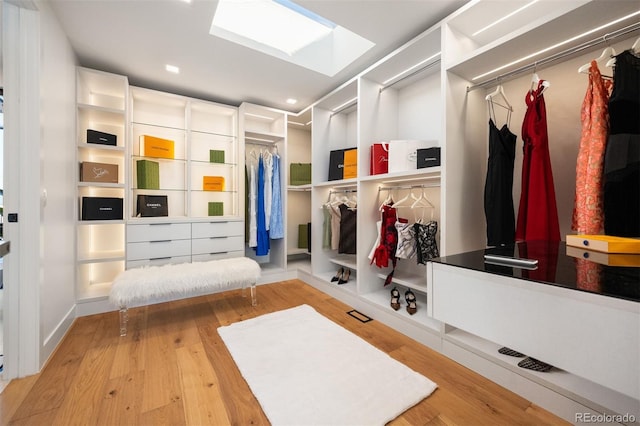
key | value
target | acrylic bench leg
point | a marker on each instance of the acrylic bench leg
(254, 296)
(124, 318)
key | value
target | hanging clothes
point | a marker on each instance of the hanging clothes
(267, 160)
(622, 157)
(276, 228)
(406, 248)
(326, 227)
(348, 231)
(588, 208)
(386, 251)
(538, 213)
(427, 245)
(377, 242)
(262, 247)
(246, 204)
(498, 188)
(253, 212)
(335, 226)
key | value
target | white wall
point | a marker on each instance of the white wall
(58, 166)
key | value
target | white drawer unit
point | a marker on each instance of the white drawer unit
(217, 229)
(158, 261)
(214, 245)
(158, 249)
(158, 232)
(216, 256)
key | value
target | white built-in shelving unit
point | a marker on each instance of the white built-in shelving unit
(101, 104)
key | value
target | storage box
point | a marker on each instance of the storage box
(428, 157)
(98, 172)
(610, 259)
(605, 243)
(303, 236)
(216, 156)
(102, 138)
(152, 146)
(212, 183)
(101, 208)
(152, 206)
(148, 174)
(378, 158)
(403, 154)
(299, 174)
(336, 164)
(350, 169)
(216, 208)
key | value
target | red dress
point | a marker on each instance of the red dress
(538, 213)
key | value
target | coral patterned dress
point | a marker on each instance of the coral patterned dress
(588, 210)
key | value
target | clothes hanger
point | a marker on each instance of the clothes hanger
(607, 54)
(387, 201)
(499, 92)
(635, 49)
(423, 203)
(408, 198)
(535, 80)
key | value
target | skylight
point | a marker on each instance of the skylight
(288, 31)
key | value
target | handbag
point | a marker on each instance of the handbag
(336, 164)
(350, 169)
(379, 158)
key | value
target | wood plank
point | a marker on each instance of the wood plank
(203, 404)
(122, 400)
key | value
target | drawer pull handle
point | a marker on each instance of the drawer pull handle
(220, 252)
(212, 223)
(160, 224)
(160, 258)
(216, 238)
(160, 241)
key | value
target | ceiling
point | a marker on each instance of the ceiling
(137, 38)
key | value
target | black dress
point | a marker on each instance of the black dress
(348, 234)
(498, 195)
(622, 155)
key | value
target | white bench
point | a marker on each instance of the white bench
(157, 284)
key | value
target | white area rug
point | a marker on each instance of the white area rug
(304, 369)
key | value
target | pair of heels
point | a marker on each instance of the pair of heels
(409, 297)
(342, 276)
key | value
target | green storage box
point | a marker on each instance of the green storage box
(216, 208)
(216, 156)
(303, 236)
(148, 173)
(299, 173)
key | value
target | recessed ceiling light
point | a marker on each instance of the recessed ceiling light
(172, 69)
(292, 101)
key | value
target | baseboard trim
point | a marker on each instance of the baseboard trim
(52, 341)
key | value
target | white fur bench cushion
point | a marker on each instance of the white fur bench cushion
(156, 284)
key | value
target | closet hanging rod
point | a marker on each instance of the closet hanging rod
(342, 191)
(586, 45)
(411, 74)
(424, 185)
(259, 143)
(345, 106)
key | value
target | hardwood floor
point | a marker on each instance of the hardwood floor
(173, 369)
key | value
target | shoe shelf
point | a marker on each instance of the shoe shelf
(410, 280)
(576, 388)
(382, 298)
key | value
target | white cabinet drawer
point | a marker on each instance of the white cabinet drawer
(158, 249)
(217, 229)
(158, 232)
(217, 244)
(224, 255)
(158, 261)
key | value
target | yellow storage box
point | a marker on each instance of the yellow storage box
(605, 243)
(152, 146)
(213, 183)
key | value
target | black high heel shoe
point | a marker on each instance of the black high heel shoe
(345, 276)
(338, 275)
(395, 299)
(411, 302)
